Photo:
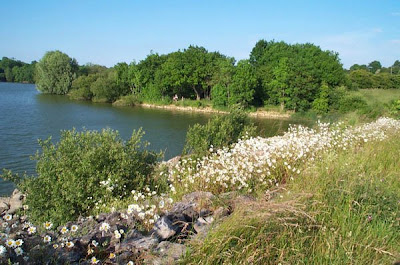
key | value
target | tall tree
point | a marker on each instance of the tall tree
(279, 83)
(374, 66)
(55, 73)
(243, 84)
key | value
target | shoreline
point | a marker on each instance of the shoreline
(257, 114)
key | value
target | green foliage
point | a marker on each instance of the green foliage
(374, 66)
(71, 174)
(55, 73)
(244, 82)
(291, 75)
(81, 87)
(321, 104)
(12, 70)
(351, 103)
(104, 89)
(128, 100)
(219, 96)
(394, 108)
(220, 131)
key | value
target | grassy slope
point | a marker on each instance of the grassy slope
(343, 210)
(382, 96)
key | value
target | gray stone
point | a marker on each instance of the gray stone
(169, 249)
(198, 197)
(187, 210)
(15, 202)
(68, 257)
(140, 243)
(202, 224)
(4, 204)
(164, 228)
(220, 212)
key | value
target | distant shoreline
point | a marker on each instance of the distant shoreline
(257, 114)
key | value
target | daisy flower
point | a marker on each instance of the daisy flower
(64, 230)
(74, 228)
(47, 239)
(48, 225)
(18, 251)
(104, 227)
(69, 244)
(10, 243)
(19, 242)
(31, 230)
(8, 217)
(94, 260)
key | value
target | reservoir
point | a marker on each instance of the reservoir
(26, 115)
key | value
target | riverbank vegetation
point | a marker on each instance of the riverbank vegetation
(279, 76)
(12, 70)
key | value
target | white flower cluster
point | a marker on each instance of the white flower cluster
(262, 162)
(148, 205)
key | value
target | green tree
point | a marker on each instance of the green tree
(279, 84)
(361, 79)
(104, 89)
(321, 103)
(243, 85)
(374, 66)
(55, 73)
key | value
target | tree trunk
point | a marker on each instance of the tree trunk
(197, 93)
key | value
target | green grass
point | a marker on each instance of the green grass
(345, 209)
(380, 96)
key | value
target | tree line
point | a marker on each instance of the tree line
(374, 75)
(12, 70)
(295, 77)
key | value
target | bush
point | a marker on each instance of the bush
(85, 170)
(218, 132)
(394, 107)
(351, 103)
(128, 100)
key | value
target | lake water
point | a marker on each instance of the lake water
(26, 115)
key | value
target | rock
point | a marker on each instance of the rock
(205, 212)
(198, 197)
(86, 239)
(15, 202)
(173, 161)
(101, 217)
(4, 204)
(164, 228)
(221, 212)
(202, 224)
(169, 252)
(187, 210)
(68, 257)
(140, 243)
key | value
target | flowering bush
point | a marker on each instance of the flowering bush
(220, 131)
(259, 163)
(85, 169)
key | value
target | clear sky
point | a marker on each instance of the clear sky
(111, 31)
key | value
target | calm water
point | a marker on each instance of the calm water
(26, 115)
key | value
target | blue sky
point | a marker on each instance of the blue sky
(111, 31)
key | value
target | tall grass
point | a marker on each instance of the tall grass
(342, 210)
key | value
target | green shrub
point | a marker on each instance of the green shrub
(351, 103)
(394, 107)
(85, 170)
(218, 132)
(219, 95)
(128, 100)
